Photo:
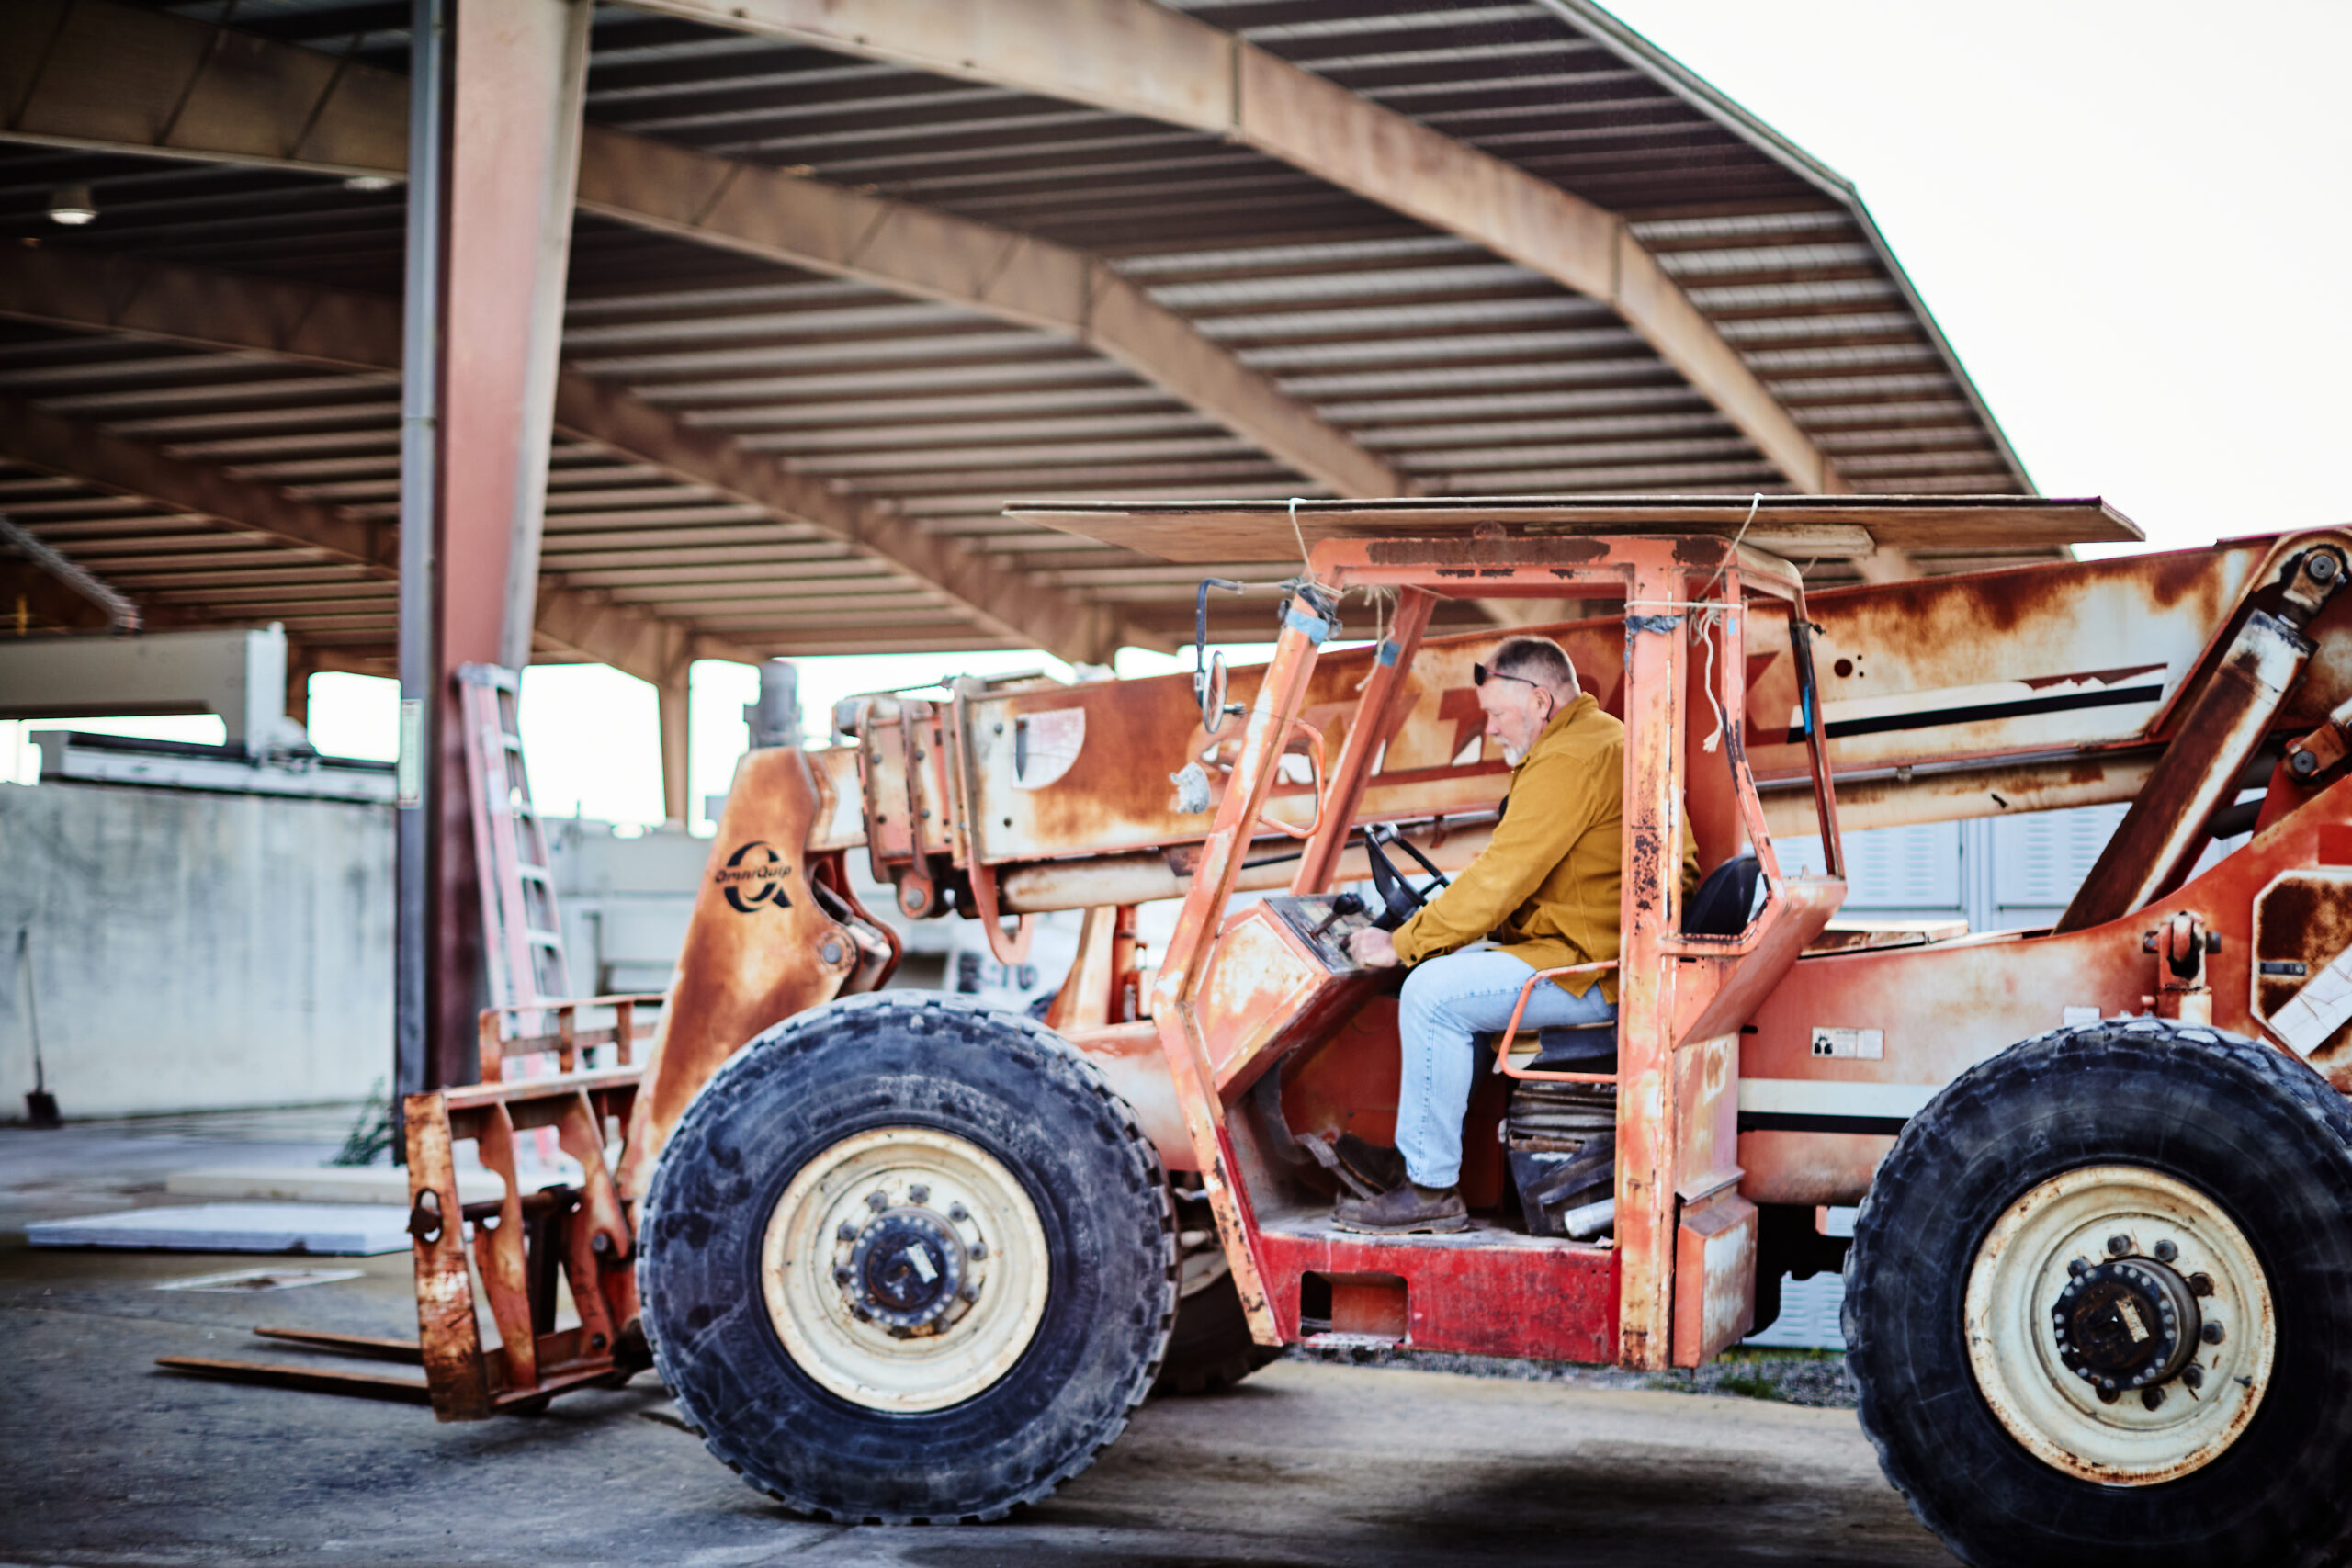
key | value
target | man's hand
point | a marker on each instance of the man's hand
(1373, 948)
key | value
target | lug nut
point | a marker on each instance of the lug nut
(846, 1233)
(2193, 1375)
(2151, 1397)
(2107, 1396)
(970, 1293)
(979, 1249)
(2166, 1252)
(2210, 1333)
(2200, 1284)
(2117, 1246)
(2077, 1265)
(842, 1276)
(957, 1213)
(877, 1200)
(918, 1195)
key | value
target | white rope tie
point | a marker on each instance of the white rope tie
(1306, 567)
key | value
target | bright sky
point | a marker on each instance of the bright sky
(2131, 221)
(2129, 218)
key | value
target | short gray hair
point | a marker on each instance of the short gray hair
(1536, 658)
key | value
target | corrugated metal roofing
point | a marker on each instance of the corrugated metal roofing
(1467, 372)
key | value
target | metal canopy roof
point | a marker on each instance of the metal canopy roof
(1813, 528)
(795, 434)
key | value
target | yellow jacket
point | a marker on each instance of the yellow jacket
(1546, 888)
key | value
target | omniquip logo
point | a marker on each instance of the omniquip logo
(754, 877)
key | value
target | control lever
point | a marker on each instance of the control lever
(1345, 904)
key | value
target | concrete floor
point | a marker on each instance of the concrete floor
(112, 1460)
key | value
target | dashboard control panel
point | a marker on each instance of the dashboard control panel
(1323, 923)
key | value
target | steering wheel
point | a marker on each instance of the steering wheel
(1400, 898)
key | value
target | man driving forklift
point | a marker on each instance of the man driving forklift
(1545, 889)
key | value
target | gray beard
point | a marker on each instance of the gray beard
(1512, 754)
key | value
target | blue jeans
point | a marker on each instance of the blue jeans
(1446, 1000)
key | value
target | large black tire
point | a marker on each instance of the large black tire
(2265, 1141)
(1001, 1084)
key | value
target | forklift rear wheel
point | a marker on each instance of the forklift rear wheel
(2099, 1304)
(906, 1259)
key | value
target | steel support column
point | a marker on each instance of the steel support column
(414, 857)
(493, 156)
(674, 695)
(521, 72)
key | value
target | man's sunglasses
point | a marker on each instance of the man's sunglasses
(1480, 675)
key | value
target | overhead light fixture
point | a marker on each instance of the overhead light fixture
(72, 205)
(368, 183)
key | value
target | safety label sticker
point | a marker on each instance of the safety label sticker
(1865, 1044)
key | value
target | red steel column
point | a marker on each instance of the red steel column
(516, 76)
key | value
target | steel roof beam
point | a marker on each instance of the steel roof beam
(998, 272)
(78, 90)
(1133, 57)
(362, 332)
(586, 625)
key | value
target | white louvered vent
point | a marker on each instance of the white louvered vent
(1891, 868)
(2040, 860)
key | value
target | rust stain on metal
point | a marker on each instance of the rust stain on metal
(1439, 556)
(747, 964)
(449, 1344)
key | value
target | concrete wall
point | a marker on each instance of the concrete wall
(193, 950)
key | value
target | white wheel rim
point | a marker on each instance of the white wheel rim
(947, 1209)
(2014, 1348)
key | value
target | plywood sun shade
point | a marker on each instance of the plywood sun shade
(1807, 527)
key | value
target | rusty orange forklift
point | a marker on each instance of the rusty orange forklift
(902, 1258)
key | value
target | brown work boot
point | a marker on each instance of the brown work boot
(1403, 1209)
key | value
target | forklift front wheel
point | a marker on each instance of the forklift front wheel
(2098, 1304)
(906, 1259)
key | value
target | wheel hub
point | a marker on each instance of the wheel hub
(2127, 1324)
(2175, 1313)
(906, 1270)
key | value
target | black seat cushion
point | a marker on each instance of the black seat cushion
(1566, 1049)
(1724, 901)
(1571, 1050)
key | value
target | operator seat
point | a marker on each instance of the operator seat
(1721, 907)
(1560, 1139)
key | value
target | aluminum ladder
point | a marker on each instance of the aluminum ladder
(522, 928)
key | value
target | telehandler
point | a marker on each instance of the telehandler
(902, 1258)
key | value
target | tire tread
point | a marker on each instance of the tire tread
(1032, 1044)
(1911, 1175)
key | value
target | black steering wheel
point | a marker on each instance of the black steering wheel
(1400, 899)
